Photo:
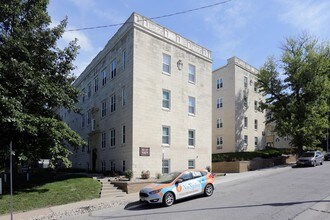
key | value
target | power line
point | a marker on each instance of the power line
(153, 18)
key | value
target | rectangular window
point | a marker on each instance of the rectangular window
(246, 140)
(104, 78)
(219, 123)
(166, 99)
(124, 60)
(245, 101)
(192, 73)
(245, 81)
(113, 69)
(219, 83)
(103, 166)
(166, 135)
(191, 138)
(245, 122)
(255, 141)
(104, 109)
(219, 141)
(96, 84)
(166, 63)
(113, 103)
(256, 105)
(112, 137)
(83, 120)
(124, 165)
(256, 124)
(191, 105)
(165, 166)
(123, 134)
(89, 90)
(255, 86)
(123, 96)
(219, 103)
(112, 165)
(89, 116)
(191, 164)
(104, 140)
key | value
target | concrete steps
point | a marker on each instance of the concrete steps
(109, 190)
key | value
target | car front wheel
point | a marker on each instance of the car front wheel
(168, 199)
(208, 191)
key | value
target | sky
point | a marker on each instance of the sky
(252, 30)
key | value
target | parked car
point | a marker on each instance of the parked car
(178, 185)
(310, 158)
(327, 156)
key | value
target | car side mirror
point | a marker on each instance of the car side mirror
(179, 181)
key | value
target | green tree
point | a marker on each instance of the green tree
(297, 90)
(35, 78)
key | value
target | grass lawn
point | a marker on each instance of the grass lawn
(50, 190)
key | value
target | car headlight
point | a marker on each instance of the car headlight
(155, 191)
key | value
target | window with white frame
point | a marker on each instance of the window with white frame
(104, 108)
(191, 105)
(192, 73)
(255, 86)
(219, 83)
(191, 138)
(124, 59)
(219, 141)
(112, 137)
(246, 141)
(219, 123)
(191, 164)
(166, 99)
(103, 140)
(256, 124)
(113, 69)
(166, 63)
(245, 81)
(113, 103)
(219, 103)
(256, 105)
(123, 96)
(96, 84)
(123, 131)
(165, 166)
(245, 122)
(166, 135)
(104, 77)
(256, 141)
(245, 101)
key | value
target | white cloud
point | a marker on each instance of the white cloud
(306, 15)
(83, 40)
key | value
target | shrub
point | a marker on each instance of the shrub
(129, 175)
(158, 175)
(145, 174)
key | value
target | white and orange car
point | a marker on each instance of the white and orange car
(178, 185)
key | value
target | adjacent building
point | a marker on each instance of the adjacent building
(237, 122)
(146, 103)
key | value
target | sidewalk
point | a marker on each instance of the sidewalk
(320, 210)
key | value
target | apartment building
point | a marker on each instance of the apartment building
(145, 103)
(237, 122)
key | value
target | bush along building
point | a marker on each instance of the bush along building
(145, 103)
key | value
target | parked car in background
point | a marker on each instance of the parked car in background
(327, 156)
(178, 185)
(310, 158)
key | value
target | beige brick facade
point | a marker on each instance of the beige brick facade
(144, 102)
(237, 124)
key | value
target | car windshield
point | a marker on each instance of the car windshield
(167, 178)
(307, 154)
